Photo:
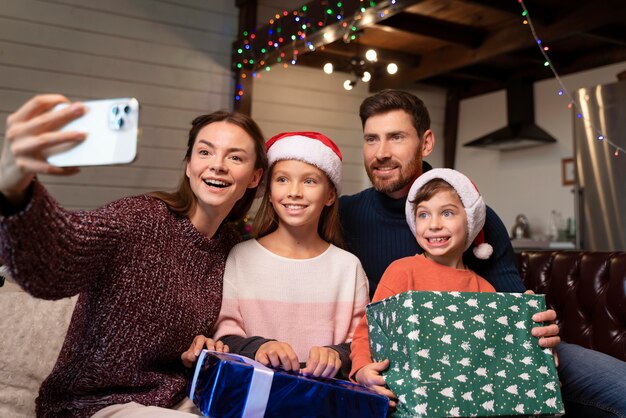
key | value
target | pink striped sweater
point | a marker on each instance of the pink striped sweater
(312, 302)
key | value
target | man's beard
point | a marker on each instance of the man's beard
(391, 185)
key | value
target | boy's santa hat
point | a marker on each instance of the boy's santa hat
(309, 147)
(473, 203)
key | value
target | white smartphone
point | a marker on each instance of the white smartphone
(112, 128)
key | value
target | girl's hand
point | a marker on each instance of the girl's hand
(190, 356)
(370, 376)
(30, 131)
(276, 353)
(322, 362)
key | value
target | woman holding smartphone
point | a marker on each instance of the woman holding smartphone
(148, 269)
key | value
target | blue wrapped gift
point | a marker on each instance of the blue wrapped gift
(229, 385)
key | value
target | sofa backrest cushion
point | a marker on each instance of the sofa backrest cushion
(32, 333)
(588, 292)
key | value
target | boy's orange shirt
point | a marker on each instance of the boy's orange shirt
(413, 273)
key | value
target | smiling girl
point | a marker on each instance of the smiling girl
(292, 295)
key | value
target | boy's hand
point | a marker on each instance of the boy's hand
(370, 376)
(322, 362)
(276, 354)
(190, 356)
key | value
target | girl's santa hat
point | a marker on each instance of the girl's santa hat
(309, 147)
(473, 203)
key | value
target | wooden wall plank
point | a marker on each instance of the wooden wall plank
(30, 82)
(106, 23)
(160, 12)
(111, 45)
(114, 69)
(204, 5)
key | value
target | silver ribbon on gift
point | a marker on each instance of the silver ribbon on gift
(260, 385)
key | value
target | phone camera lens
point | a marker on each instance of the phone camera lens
(127, 109)
(119, 122)
(115, 110)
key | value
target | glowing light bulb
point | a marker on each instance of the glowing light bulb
(600, 137)
(348, 85)
(328, 68)
(366, 76)
(392, 68)
(371, 55)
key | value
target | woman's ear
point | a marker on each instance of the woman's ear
(256, 178)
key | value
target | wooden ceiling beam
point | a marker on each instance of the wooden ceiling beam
(476, 75)
(600, 57)
(616, 36)
(471, 88)
(538, 10)
(417, 24)
(510, 38)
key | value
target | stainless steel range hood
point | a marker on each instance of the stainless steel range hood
(521, 131)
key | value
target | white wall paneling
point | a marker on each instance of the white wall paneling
(173, 55)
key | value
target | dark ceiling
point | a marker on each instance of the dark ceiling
(477, 46)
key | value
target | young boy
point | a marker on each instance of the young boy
(446, 214)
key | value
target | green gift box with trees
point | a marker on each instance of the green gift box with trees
(464, 354)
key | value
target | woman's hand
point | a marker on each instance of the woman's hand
(276, 354)
(322, 362)
(370, 376)
(30, 131)
(190, 356)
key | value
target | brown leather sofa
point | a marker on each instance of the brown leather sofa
(588, 292)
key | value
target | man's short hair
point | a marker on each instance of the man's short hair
(387, 100)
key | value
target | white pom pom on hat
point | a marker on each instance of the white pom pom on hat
(310, 147)
(473, 203)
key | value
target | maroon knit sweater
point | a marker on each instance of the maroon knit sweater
(148, 283)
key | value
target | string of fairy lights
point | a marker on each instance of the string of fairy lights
(298, 25)
(563, 91)
(251, 57)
